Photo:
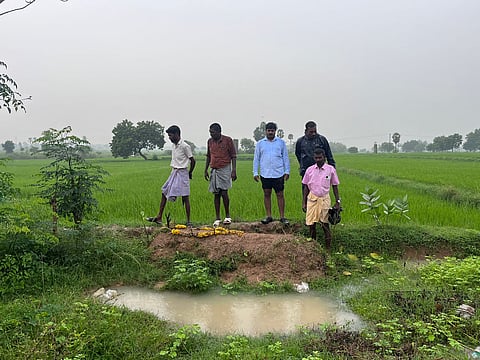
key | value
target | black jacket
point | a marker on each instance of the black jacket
(304, 151)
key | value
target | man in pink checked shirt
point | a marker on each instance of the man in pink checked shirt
(318, 179)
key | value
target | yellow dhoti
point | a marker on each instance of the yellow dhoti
(317, 209)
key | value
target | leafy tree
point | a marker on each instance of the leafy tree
(68, 183)
(454, 141)
(353, 150)
(192, 145)
(8, 146)
(149, 135)
(259, 132)
(386, 147)
(445, 143)
(414, 146)
(438, 144)
(247, 146)
(123, 141)
(472, 142)
(337, 147)
(129, 139)
(9, 97)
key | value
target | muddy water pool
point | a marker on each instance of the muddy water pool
(245, 314)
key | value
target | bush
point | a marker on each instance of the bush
(22, 252)
(190, 275)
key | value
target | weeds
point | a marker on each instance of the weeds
(190, 275)
(237, 348)
(180, 340)
(6, 183)
(410, 312)
(377, 209)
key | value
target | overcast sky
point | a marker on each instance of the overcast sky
(362, 69)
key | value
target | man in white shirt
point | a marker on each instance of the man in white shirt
(178, 183)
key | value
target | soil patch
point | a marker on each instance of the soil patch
(419, 254)
(262, 253)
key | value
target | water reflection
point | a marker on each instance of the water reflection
(242, 313)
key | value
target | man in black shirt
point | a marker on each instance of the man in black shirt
(308, 143)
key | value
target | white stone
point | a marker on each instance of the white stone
(110, 294)
(465, 311)
(302, 287)
(99, 292)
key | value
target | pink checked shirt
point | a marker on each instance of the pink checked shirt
(319, 180)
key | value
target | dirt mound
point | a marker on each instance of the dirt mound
(262, 253)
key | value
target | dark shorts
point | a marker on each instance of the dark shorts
(276, 184)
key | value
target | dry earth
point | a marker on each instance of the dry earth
(262, 253)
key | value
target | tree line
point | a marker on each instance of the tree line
(440, 143)
(131, 139)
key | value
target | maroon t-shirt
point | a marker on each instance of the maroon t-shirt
(221, 152)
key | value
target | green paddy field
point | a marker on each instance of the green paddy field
(443, 189)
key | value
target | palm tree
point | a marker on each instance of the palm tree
(396, 140)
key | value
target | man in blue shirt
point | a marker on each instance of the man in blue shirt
(271, 156)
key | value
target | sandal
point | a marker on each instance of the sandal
(284, 221)
(267, 220)
(154, 220)
(227, 221)
(216, 223)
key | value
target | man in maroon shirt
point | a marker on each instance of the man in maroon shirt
(222, 160)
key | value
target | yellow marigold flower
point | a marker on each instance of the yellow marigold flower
(180, 226)
(202, 234)
(175, 231)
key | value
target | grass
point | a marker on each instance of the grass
(57, 320)
(441, 199)
(450, 170)
(411, 312)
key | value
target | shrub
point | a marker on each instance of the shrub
(6, 183)
(377, 209)
(458, 275)
(190, 275)
(68, 182)
(22, 252)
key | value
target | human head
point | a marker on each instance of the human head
(215, 131)
(173, 133)
(310, 129)
(270, 130)
(270, 125)
(319, 156)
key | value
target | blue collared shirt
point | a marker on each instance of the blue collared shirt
(272, 158)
